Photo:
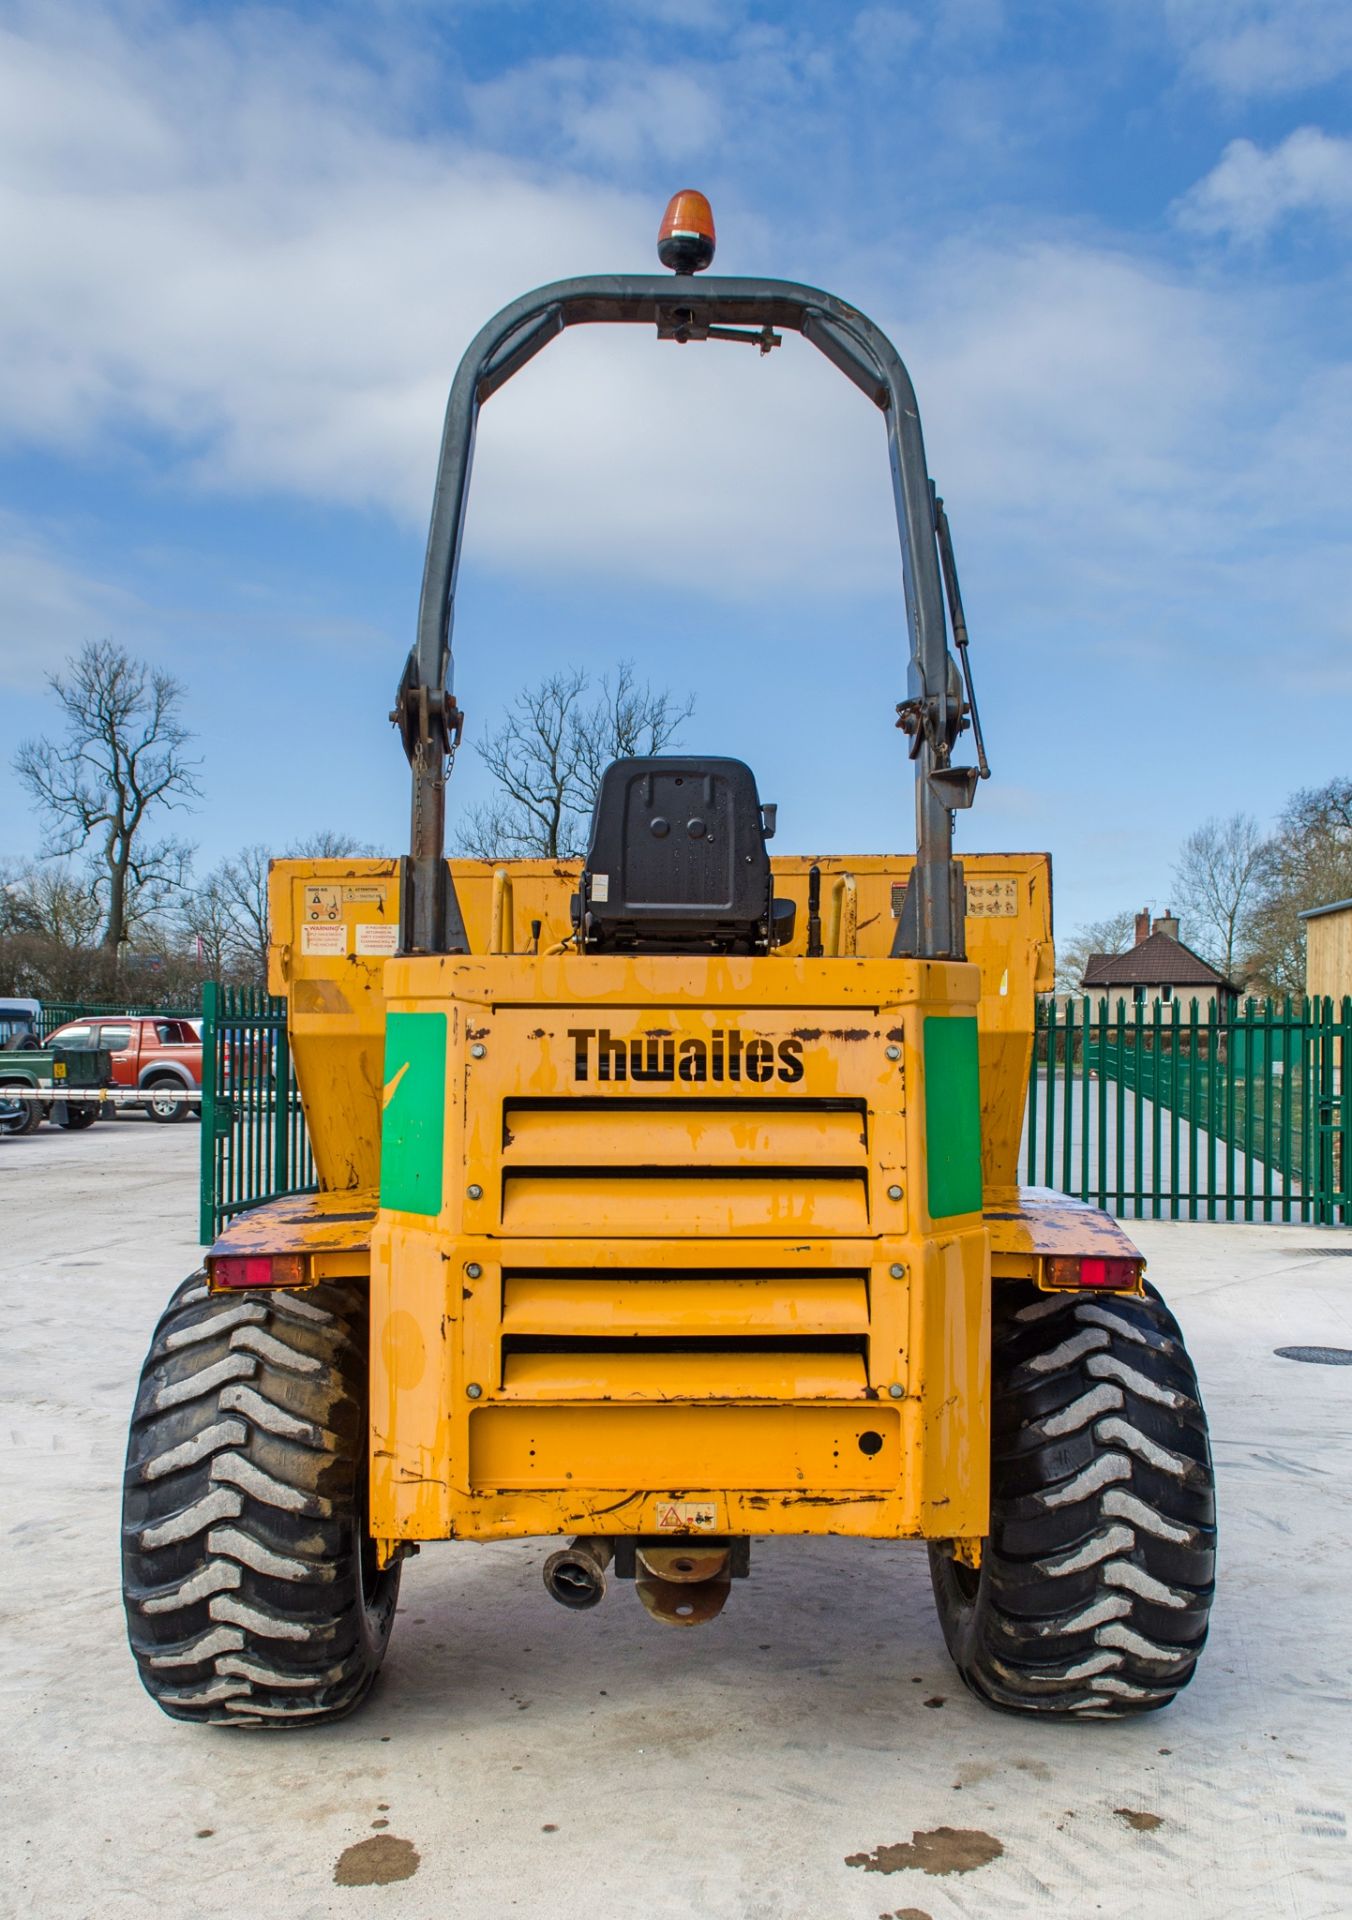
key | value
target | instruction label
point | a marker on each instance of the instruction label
(687, 1516)
(324, 939)
(992, 899)
(377, 937)
(323, 906)
(370, 896)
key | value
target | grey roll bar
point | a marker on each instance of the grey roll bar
(683, 308)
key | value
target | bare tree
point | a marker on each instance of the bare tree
(120, 762)
(1113, 935)
(53, 899)
(548, 755)
(228, 913)
(1219, 878)
(1308, 863)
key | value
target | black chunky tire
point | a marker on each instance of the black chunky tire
(78, 1119)
(250, 1582)
(1096, 1581)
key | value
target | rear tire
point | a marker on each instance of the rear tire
(165, 1101)
(250, 1581)
(1096, 1581)
(79, 1119)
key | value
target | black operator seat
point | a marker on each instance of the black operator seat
(677, 861)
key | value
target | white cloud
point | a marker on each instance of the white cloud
(1250, 191)
(49, 607)
(1256, 48)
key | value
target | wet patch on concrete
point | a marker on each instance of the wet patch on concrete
(942, 1850)
(1141, 1822)
(376, 1862)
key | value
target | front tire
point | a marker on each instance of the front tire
(78, 1118)
(1096, 1580)
(252, 1592)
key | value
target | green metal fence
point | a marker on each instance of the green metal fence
(1186, 1114)
(254, 1143)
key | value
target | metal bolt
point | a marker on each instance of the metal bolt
(894, 1053)
(893, 1193)
(475, 1193)
(474, 1391)
(897, 1271)
(478, 1050)
(896, 1391)
(473, 1269)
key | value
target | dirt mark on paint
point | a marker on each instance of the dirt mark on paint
(1142, 1822)
(905, 1913)
(942, 1850)
(376, 1862)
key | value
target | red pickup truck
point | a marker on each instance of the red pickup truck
(158, 1053)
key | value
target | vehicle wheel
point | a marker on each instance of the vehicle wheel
(250, 1581)
(165, 1101)
(1096, 1580)
(21, 1116)
(78, 1118)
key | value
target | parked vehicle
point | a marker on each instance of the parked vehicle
(26, 1066)
(161, 1054)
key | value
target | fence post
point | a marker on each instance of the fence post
(281, 1107)
(207, 1209)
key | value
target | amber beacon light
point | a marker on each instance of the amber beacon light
(685, 239)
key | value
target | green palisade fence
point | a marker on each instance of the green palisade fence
(56, 1013)
(1179, 1114)
(254, 1143)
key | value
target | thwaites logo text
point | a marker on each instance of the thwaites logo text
(727, 1055)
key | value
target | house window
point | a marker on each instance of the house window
(1138, 995)
(1166, 993)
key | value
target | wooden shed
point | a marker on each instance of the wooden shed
(1328, 950)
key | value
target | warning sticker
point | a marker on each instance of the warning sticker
(323, 905)
(324, 939)
(687, 1516)
(992, 899)
(600, 886)
(377, 937)
(369, 896)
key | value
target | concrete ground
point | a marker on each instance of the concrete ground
(519, 1760)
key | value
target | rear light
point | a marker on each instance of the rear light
(1073, 1271)
(258, 1270)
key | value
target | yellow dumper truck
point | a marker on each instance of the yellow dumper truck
(668, 1199)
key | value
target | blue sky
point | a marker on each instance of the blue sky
(244, 247)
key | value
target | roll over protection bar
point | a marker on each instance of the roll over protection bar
(682, 308)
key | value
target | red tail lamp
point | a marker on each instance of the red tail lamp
(1072, 1272)
(258, 1270)
(685, 239)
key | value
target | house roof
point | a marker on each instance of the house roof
(1334, 906)
(1158, 961)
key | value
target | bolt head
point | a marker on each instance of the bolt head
(894, 1053)
(474, 1270)
(474, 1391)
(896, 1391)
(478, 1050)
(894, 1193)
(475, 1192)
(897, 1271)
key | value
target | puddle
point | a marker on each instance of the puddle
(376, 1862)
(942, 1850)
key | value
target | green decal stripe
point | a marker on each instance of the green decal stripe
(414, 1131)
(952, 1115)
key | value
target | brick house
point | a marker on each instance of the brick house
(1158, 968)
